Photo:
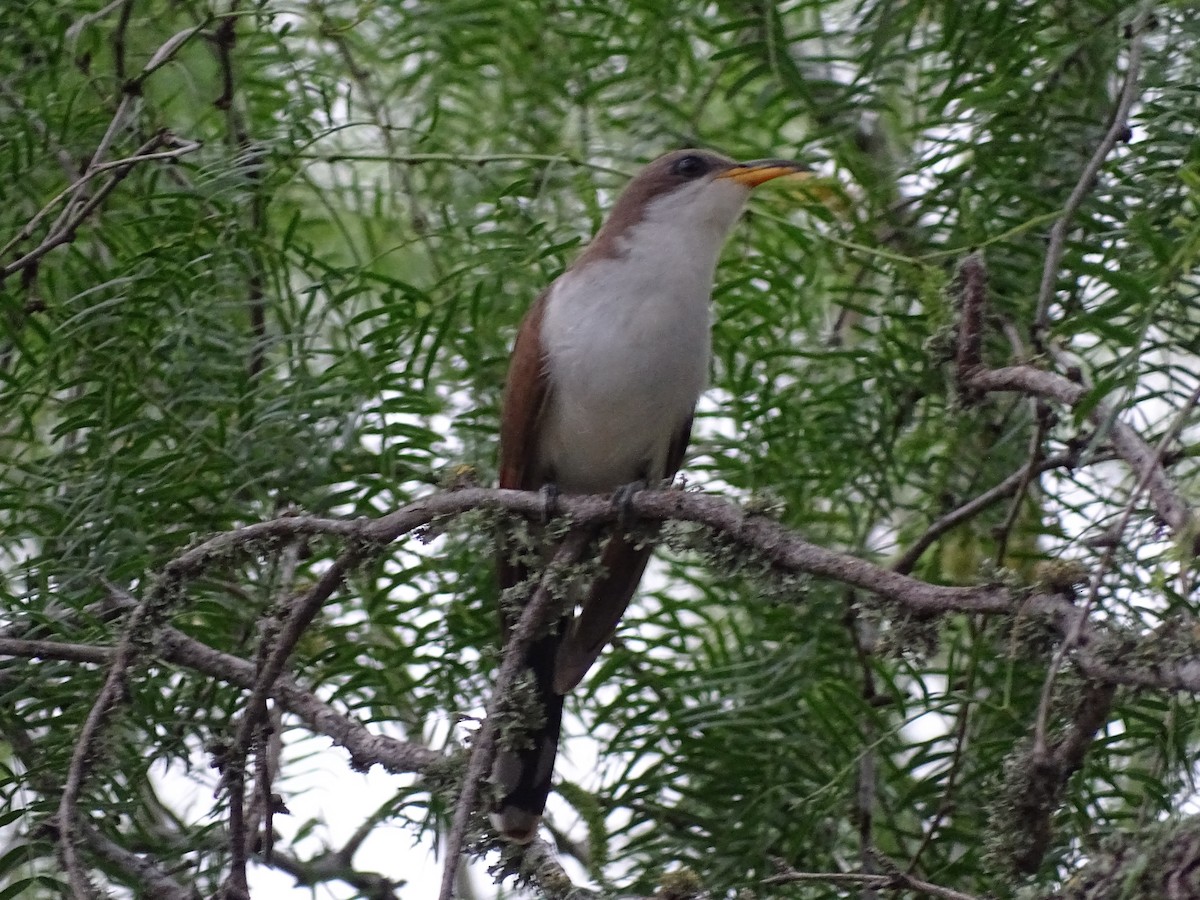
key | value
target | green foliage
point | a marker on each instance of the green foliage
(312, 311)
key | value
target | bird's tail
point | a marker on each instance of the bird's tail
(524, 764)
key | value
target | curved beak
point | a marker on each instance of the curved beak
(752, 174)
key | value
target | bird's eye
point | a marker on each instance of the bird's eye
(690, 166)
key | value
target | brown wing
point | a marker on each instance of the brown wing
(525, 394)
(621, 569)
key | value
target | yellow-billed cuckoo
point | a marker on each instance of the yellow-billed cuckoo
(604, 377)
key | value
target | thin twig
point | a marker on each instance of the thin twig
(110, 133)
(76, 209)
(365, 749)
(1037, 439)
(86, 21)
(1097, 576)
(1117, 127)
(118, 41)
(223, 42)
(82, 755)
(143, 154)
(71, 194)
(775, 542)
(533, 620)
(269, 742)
(301, 615)
(156, 883)
(972, 303)
(976, 505)
(65, 227)
(783, 547)
(1128, 444)
(895, 881)
(77, 653)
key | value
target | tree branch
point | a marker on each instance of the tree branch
(156, 883)
(534, 619)
(1009, 486)
(76, 210)
(64, 229)
(769, 539)
(896, 880)
(1128, 444)
(1087, 178)
(302, 612)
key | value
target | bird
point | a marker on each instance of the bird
(606, 370)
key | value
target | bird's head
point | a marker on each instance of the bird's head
(690, 192)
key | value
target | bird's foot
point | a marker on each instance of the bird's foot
(622, 502)
(549, 492)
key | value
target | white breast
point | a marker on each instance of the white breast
(628, 342)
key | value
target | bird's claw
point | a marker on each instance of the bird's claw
(549, 492)
(622, 502)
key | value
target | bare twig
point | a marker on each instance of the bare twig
(156, 883)
(82, 756)
(86, 21)
(774, 542)
(64, 229)
(331, 867)
(1087, 178)
(115, 124)
(301, 615)
(1128, 444)
(118, 41)
(324, 867)
(895, 881)
(164, 54)
(146, 153)
(1153, 466)
(1042, 420)
(1009, 486)
(534, 618)
(269, 743)
(224, 40)
(77, 209)
(972, 303)
(364, 747)
(80, 653)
